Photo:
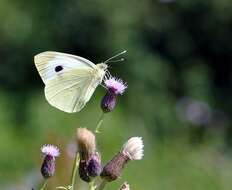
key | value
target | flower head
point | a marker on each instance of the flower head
(116, 86)
(50, 150)
(90, 161)
(48, 165)
(133, 148)
(86, 143)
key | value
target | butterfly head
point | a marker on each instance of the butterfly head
(102, 66)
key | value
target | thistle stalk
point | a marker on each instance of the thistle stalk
(99, 123)
(44, 184)
(91, 185)
(102, 185)
(74, 170)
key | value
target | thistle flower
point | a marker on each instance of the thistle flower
(114, 88)
(90, 162)
(131, 150)
(48, 165)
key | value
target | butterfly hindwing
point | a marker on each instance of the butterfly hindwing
(71, 92)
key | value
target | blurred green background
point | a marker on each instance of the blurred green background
(178, 69)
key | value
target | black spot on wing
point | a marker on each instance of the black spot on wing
(58, 68)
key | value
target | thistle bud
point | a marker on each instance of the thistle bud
(48, 165)
(131, 150)
(90, 162)
(114, 88)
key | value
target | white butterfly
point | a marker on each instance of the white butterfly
(69, 80)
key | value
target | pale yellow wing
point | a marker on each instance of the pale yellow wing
(70, 91)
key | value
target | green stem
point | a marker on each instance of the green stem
(74, 170)
(102, 185)
(99, 123)
(44, 184)
(91, 185)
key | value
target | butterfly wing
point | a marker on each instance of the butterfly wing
(71, 92)
(50, 64)
(69, 87)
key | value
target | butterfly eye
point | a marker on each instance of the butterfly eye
(58, 68)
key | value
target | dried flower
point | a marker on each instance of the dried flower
(114, 88)
(90, 162)
(48, 165)
(86, 143)
(131, 150)
(125, 186)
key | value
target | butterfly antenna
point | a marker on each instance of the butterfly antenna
(109, 60)
(117, 60)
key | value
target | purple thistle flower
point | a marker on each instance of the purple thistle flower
(50, 150)
(114, 88)
(48, 166)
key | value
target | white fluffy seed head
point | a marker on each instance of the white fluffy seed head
(133, 148)
(86, 142)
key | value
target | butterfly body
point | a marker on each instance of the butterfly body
(69, 80)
